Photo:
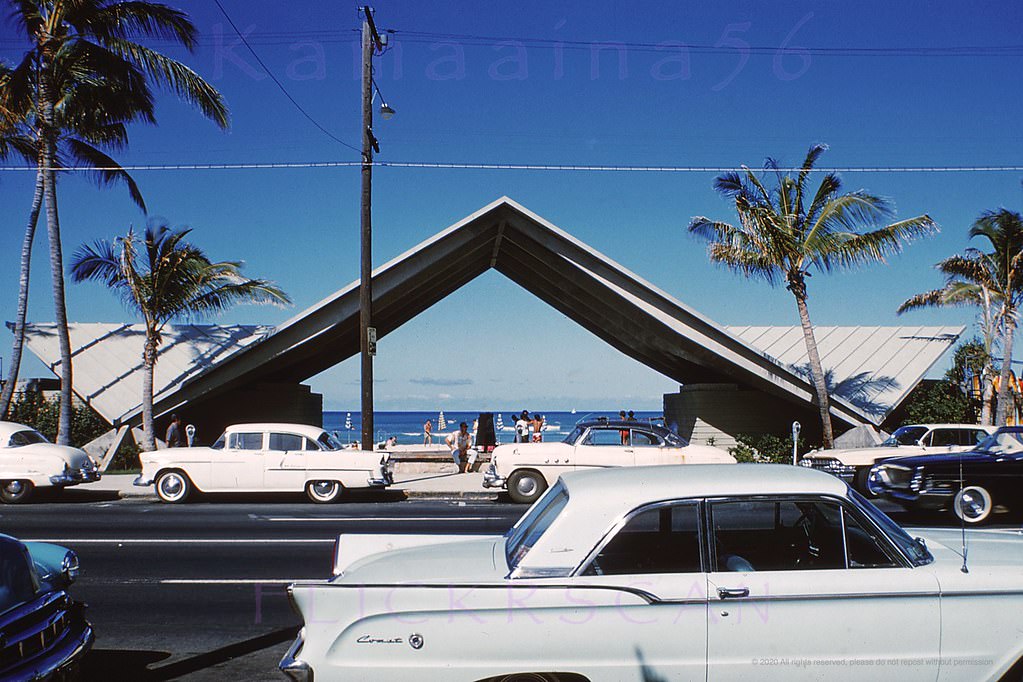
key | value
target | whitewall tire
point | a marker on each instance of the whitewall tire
(173, 487)
(973, 504)
(323, 492)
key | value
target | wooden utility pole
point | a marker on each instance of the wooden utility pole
(367, 346)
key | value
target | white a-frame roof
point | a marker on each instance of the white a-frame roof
(871, 369)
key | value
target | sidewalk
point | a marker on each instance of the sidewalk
(415, 486)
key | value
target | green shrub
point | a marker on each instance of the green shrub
(31, 408)
(765, 448)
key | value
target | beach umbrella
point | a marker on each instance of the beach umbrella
(441, 422)
(500, 422)
(348, 426)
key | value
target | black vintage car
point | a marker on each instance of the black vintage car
(972, 483)
(43, 632)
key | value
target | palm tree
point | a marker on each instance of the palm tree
(90, 115)
(107, 32)
(164, 279)
(994, 280)
(961, 292)
(785, 232)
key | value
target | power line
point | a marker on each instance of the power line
(281, 85)
(442, 165)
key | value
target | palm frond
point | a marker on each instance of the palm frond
(136, 20)
(185, 82)
(105, 170)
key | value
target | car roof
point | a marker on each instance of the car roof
(7, 428)
(637, 485)
(620, 424)
(311, 432)
(981, 427)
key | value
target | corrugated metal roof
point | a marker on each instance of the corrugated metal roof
(874, 368)
(107, 358)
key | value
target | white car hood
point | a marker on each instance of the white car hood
(459, 561)
(983, 547)
(865, 456)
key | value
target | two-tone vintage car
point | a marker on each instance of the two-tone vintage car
(265, 458)
(29, 461)
(974, 484)
(700, 572)
(43, 631)
(526, 470)
(853, 465)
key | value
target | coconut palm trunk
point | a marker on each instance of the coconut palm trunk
(816, 368)
(1004, 406)
(49, 163)
(19, 323)
(148, 370)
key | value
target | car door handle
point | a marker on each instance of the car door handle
(732, 592)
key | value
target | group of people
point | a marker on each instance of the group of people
(458, 442)
(528, 430)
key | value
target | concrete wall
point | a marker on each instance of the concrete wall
(723, 411)
(266, 402)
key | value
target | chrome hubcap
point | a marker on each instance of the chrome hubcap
(526, 485)
(972, 505)
(172, 485)
(324, 488)
(14, 487)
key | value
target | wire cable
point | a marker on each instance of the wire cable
(441, 165)
(281, 85)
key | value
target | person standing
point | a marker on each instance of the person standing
(459, 443)
(428, 432)
(174, 432)
(522, 428)
(537, 425)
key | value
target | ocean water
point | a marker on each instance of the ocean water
(407, 427)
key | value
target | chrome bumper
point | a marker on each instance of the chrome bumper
(74, 477)
(142, 482)
(295, 668)
(491, 479)
(385, 479)
(830, 465)
(60, 662)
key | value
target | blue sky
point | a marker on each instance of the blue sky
(492, 344)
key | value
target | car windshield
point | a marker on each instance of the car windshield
(529, 529)
(329, 442)
(219, 445)
(916, 551)
(1002, 440)
(574, 435)
(906, 435)
(18, 581)
(26, 437)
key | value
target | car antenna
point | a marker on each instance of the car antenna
(958, 501)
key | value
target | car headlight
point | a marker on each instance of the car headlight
(69, 566)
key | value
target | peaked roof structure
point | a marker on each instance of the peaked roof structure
(876, 367)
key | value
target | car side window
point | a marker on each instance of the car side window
(604, 437)
(777, 535)
(286, 441)
(245, 441)
(943, 438)
(663, 539)
(971, 437)
(862, 546)
(310, 445)
(645, 439)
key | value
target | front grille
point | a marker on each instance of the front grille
(34, 633)
(829, 464)
(899, 477)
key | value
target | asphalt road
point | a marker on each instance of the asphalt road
(196, 592)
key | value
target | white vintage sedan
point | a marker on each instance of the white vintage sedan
(703, 572)
(528, 469)
(29, 461)
(265, 458)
